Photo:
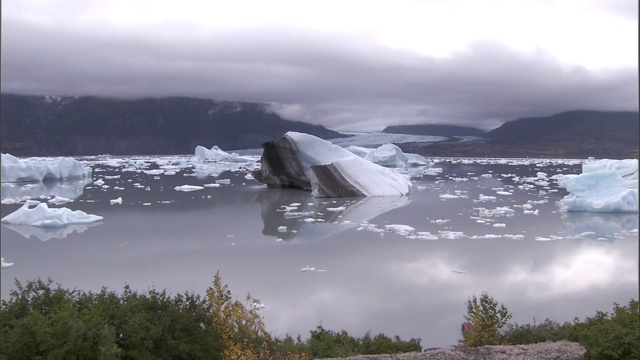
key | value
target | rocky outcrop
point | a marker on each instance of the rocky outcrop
(306, 162)
(561, 350)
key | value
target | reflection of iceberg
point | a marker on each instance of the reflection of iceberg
(307, 218)
(598, 225)
(44, 234)
(19, 192)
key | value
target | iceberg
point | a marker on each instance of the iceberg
(41, 215)
(41, 169)
(604, 186)
(303, 161)
(216, 154)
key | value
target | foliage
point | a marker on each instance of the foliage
(606, 335)
(325, 343)
(484, 319)
(42, 321)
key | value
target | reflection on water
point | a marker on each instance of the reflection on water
(48, 233)
(601, 226)
(19, 192)
(290, 214)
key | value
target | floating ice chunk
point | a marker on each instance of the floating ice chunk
(116, 201)
(336, 209)
(304, 161)
(499, 225)
(403, 230)
(41, 215)
(98, 182)
(211, 185)
(59, 200)
(459, 271)
(307, 268)
(188, 188)
(13, 169)
(5, 265)
(282, 228)
(440, 221)
(223, 181)
(201, 153)
(486, 198)
(503, 193)
(448, 196)
(603, 186)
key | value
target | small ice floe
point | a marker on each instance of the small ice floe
(98, 182)
(423, 235)
(154, 172)
(337, 209)
(116, 201)
(530, 212)
(452, 235)
(499, 225)
(309, 220)
(514, 237)
(211, 185)
(459, 271)
(307, 268)
(258, 306)
(223, 181)
(448, 196)
(59, 200)
(188, 188)
(282, 228)
(249, 177)
(504, 193)
(6, 265)
(402, 230)
(486, 198)
(41, 215)
(440, 221)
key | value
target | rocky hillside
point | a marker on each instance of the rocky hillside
(573, 134)
(70, 126)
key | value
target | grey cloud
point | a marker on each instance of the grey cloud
(333, 79)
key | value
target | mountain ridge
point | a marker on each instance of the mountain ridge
(67, 126)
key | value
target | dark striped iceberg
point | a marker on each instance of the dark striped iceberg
(303, 161)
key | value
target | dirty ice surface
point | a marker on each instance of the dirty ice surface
(388, 265)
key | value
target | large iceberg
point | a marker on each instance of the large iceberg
(389, 155)
(41, 215)
(40, 169)
(604, 186)
(307, 162)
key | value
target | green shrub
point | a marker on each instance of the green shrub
(326, 343)
(613, 335)
(484, 320)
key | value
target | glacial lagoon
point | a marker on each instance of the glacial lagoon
(397, 265)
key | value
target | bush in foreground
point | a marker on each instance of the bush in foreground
(43, 321)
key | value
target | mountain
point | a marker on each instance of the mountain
(435, 130)
(72, 126)
(572, 134)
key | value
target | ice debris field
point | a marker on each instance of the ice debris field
(603, 186)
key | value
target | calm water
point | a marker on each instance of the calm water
(476, 226)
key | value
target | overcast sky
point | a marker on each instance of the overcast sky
(349, 65)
